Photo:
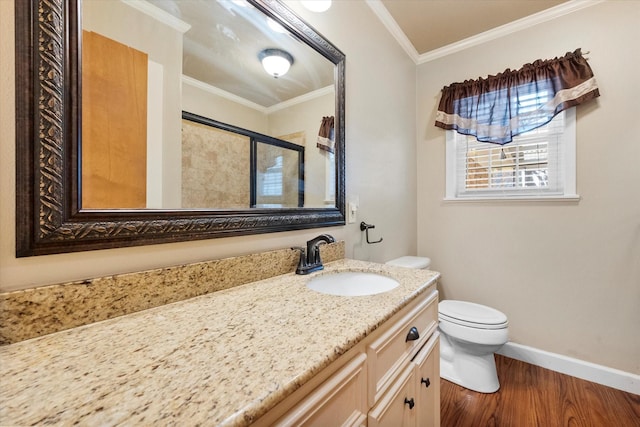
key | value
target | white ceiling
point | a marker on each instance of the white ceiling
(221, 47)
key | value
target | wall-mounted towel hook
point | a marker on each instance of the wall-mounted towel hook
(365, 227)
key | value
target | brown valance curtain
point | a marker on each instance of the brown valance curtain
(326, 134)
(497, 108)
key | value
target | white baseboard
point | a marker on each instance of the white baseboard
(610, 377)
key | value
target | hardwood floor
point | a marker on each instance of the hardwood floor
(534, 396)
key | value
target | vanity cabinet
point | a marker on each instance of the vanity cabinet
(391, 378)
(427, 372)
(340, 401)
(396, 407)
(413, 399)
(398, 343)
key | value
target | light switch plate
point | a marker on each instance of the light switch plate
(352, 209)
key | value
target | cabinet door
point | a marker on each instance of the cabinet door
(397, 407)
(427, 380)
(339, 401)
(389, 353)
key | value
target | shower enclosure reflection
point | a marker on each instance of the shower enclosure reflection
(234, 168)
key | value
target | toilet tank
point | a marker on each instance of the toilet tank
(416, 262)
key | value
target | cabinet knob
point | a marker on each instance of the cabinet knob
(409, 402)
(413, 334)
(426, 382)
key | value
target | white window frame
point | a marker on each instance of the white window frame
(330, 179)
(566, 189)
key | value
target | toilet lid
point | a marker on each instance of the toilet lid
(471, 314)
(416, 262)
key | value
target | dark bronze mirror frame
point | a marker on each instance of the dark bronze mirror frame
(48, 128)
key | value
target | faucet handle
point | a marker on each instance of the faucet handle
(301, 250)
(302, 260)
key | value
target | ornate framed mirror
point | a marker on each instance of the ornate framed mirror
(52, 124)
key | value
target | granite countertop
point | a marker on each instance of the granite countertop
(224, 358)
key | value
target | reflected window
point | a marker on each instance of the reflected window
(272, 179)
(330, 173)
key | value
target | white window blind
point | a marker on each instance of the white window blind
(537, 164)
(272, 182)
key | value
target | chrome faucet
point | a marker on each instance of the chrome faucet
(310, 260)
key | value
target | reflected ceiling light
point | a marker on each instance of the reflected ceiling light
(276, 62)
(276, 26)
(316, 5)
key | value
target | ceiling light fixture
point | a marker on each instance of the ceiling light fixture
(276, 62)
(316, 5)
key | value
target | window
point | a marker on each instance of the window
(272, 179)
(529, 113)
(539, 164)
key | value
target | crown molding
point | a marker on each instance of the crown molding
(529, 21)
(261, 109)
(158, 14)
(392, 26)
(302, 98)
(510, 28)
(223, 93)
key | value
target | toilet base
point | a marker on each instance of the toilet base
(472, 371)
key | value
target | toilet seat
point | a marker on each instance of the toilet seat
(471, 315)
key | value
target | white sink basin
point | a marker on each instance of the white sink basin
(352, 283)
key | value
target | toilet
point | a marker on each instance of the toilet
(470, 334)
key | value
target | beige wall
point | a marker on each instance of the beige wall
(380, 110)
(566, 274)
(380, 163)
(198, 101)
